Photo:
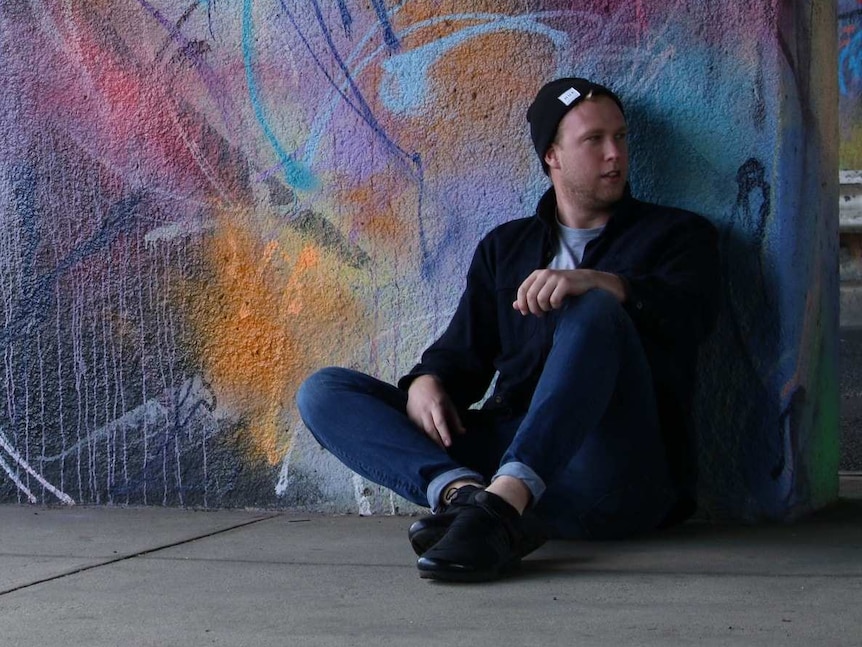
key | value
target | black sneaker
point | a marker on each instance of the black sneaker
(428, 530)
(485, 541)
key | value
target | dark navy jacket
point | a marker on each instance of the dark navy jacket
(668, 258)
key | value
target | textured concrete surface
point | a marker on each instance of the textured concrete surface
(850, 356)
(40, 543)
(167, 577)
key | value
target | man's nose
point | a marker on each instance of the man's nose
(614, 149)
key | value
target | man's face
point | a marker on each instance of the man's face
(589, 158)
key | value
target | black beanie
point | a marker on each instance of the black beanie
(552, 103)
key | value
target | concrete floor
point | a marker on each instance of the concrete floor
(113, 576)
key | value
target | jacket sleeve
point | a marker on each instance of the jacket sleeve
(678, 298)
(463, 357)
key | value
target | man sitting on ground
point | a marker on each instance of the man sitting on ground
(589, 313)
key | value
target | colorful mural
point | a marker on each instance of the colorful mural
(204, 201)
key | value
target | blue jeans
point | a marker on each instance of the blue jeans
(588, 447)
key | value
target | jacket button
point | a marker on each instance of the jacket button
(639, 305)
(498, 399)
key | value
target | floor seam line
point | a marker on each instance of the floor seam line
(140, 553)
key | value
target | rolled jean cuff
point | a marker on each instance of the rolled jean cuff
(438, 485)
(524, 473)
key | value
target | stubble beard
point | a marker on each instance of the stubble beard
(599, 200)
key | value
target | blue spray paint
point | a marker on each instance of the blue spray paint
(850, 55)
(388, 34)
(346, 18)
(295, 173)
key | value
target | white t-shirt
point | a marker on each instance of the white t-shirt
(570, 246)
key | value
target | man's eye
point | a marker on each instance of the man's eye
(621, 136)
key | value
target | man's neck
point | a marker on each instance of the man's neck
(579, 217)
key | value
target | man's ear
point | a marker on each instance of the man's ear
(551, 157)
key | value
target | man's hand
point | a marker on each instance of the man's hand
(546, 290)
(430, 409)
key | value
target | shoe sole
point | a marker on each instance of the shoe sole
(442, 575)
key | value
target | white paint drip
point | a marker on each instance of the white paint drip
(281, 484)
(16, 480)
(363, 502)
(5, 444)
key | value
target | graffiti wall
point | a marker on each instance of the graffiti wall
(201, 202)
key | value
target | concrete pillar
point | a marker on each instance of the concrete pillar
(769, 411)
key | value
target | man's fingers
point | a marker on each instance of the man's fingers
(558, 296)
(430, 429)
(431, 410)
(526, 294)
(544, 294)
(546, 290)
(440, 422)
(442, 425)
(521, 303)
(539, 293)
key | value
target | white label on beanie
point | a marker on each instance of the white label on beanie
(568, 96)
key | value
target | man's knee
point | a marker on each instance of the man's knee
(319, 389)
(597, 308)
(596, 299)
